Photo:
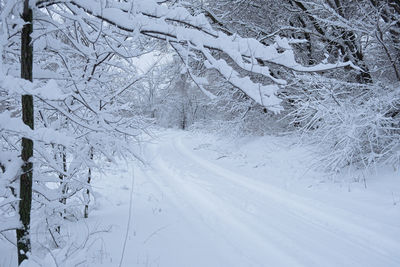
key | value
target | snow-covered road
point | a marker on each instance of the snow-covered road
(189, 210)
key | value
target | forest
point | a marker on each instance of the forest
(199, 133)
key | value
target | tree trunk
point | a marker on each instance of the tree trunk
(25, 193)
(346, 40)
(183, 122)
(64, 187)
(86, 211)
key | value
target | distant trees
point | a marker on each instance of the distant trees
(169, 96)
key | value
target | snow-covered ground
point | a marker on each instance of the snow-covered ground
(208, 201)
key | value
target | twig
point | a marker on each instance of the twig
(129, 218)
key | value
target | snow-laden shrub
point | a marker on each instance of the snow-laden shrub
(355, 125)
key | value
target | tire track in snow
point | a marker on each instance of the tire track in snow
(211, 211)
(299, 207)
(188, 214)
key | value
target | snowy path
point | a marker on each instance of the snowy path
(204, 214)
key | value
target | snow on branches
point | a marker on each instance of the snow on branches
(177, 25)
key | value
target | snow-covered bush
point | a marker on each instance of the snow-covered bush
(356, 125)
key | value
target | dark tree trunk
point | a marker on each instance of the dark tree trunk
(63, 183)
(346, 40)
(64, 187)
(354, 51)
(86, 210)
(390, 12)
(183, 122)
(25, 193)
